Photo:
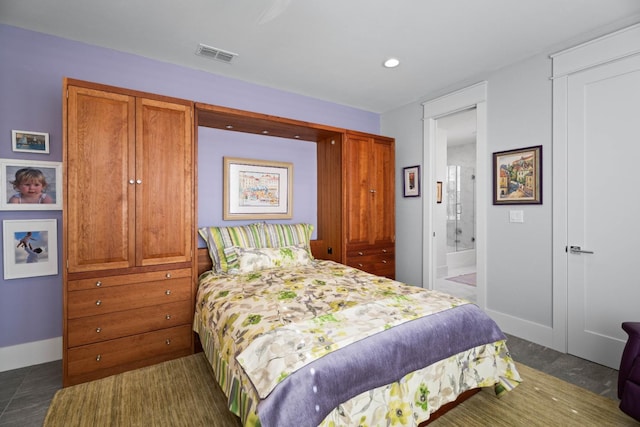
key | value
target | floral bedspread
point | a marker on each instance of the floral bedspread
(259, 328)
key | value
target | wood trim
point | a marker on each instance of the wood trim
(124, 91)
(234, 120)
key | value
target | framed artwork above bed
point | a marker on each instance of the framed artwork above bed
(257, 189)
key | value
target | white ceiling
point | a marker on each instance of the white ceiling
(332, 49)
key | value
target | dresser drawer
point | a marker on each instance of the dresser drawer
(387, 252)
(379, 260)
(87, 330)
(120, 298)
(122, 351)
(127, 279)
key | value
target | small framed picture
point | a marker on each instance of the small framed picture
(517, 176)
(28, 185)
(25, 141)
(411, 181)
(257, 189)
(30, 248)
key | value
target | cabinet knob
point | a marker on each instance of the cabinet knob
(359, 265)
(168, 341)
(360, 253)
(98, 358)
(98, 330)
(372, 191)
(384, 261)
(168, 276)
(384, 251)
(131, 181)
(138, 181)
(167, 292)
(98, 283)
(168, 317)
(99, 302)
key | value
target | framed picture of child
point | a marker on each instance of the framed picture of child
(29, 185)
(30, 248)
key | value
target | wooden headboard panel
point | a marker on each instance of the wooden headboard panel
(204, 261)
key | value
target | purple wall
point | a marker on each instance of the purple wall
(32, 66)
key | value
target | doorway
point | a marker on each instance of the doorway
(455, 212)
(472, 98)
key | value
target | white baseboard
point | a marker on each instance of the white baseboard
(32, 353)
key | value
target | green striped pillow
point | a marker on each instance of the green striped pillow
(221, 240)
(278, 235)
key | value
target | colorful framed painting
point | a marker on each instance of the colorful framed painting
(30, 248)
(25, 141)
(27, 185)
(257, 189)
(517, 176)
(411, 181)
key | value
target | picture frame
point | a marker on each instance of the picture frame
(25, 141)
(411, 181)
(517, 176)
(438, 191)
(257, 189)
(30, 248)
(49, 172)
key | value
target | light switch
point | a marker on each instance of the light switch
(516, 216)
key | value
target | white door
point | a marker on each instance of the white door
(603, 205)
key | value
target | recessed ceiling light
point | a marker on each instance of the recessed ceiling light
(391, 63)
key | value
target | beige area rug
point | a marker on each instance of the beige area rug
(467, 279)
(183, 392)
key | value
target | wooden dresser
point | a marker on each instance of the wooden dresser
(128, 230)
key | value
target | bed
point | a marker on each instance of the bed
(297, 341)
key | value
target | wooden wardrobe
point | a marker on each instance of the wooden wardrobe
(128, 229)
(369, 195)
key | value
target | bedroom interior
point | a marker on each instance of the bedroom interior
(125, 295)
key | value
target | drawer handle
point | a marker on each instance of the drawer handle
(98, 358)
(168, 341)
(98, 283)
(360, 253)
(384, 251)
(167, 292)
(168, 317)
(98, 302)
(359, 265)
(168, 275)
(384, 261)
(98, 330)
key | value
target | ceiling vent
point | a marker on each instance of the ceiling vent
(215, 53)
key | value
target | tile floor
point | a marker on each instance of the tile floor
(25, 394)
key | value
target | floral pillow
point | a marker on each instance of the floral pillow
(255, 259)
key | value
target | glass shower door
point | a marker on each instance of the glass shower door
(460, 208)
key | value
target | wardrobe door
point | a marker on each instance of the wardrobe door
(358, 189)
(164, 188)
(383, 199)
(99, 199)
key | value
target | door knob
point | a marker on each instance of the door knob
(578, 250)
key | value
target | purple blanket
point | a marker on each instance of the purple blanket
(306, 397)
